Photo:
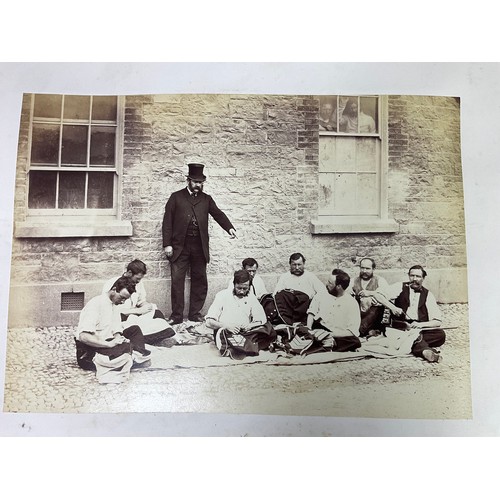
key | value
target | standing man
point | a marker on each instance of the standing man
(336, 312)
(364, 287)
(185, 241)
(416, 308)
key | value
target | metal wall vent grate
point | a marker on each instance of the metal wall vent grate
(71, 301)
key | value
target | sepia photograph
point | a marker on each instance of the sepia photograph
(239, 253)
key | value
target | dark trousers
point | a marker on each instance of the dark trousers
(191, 257)
(85, 353)
(427, 339)
(370, 320)
(342, 344)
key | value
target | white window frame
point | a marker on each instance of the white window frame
(381, 223)
(77, 222)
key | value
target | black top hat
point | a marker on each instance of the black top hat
(196, 172)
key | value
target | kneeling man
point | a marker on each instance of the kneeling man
(238, 320)
(336, 312)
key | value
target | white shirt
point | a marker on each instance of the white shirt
(393, 291)
(227, 308)
(257, 288)
(100, 317)
(137, 299)
(307, 282)
(336, 312)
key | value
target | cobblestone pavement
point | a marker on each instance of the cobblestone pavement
(42, 376)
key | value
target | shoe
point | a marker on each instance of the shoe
(197, 318)
(174, 321)
(221, 342)
(139, 358)
(431, 356)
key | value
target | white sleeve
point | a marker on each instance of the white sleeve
(215, 310)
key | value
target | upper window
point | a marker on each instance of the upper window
(74, 160)
(352, 164)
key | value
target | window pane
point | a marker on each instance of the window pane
(104, 108)
(327, 162)
(47, 106)
(348, 114)
(74, 145)
(101, 189)
(42, 189)
(345, 154)
(366, 154)
(368, 119)
(45, 144)
(76, 107)
(72, 190)
(367, 194)
(102, 146)
(328, 113)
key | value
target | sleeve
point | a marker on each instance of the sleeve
(280, 285)
(260, 287)
(168, 221)
(392, 291)
(139, 297)
(318, 285)
(432, 308)
(354, 319)
(314, 306)
(88, 319)
(219, 216)
(215, 310)
(258, 313)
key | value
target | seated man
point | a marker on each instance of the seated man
(364, 287)
(238, 320)
(101, 342)
(137, 310)
(336, 312)
(257, 286)
(293, 293)
(415, 307)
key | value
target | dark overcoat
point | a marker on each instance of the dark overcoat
(178, 212)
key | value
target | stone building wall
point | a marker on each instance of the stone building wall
(261, 157)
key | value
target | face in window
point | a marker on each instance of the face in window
(352, 108)
(326, 111)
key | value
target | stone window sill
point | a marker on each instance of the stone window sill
(82, 229)
(351, 225)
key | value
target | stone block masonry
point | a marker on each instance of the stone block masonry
(262, 159)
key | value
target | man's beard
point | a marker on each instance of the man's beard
(298, 272)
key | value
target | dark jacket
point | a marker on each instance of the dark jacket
(403, 301)
(178, 212)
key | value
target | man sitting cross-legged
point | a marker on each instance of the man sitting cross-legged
(336, 312)
(101, 342)
(238, 320)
